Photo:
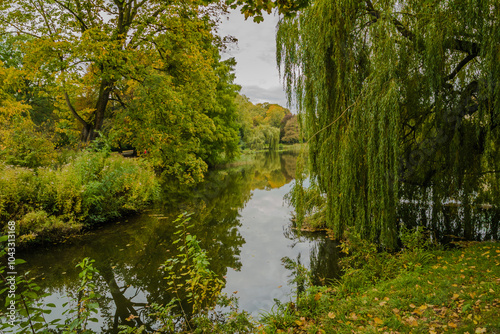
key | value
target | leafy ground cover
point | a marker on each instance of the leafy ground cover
(449, 291)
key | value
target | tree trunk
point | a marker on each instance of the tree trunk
(91, 131)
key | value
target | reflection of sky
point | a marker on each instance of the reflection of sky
(263, 219)
(262, 223)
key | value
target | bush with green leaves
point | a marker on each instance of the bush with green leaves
(92, 188)
(365, 264)
(189, 278)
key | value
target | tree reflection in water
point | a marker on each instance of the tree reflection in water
(128, 253)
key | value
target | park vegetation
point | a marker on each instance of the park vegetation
(265, 125)
(81, 81)
(398, 102)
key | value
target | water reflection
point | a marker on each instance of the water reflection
(451, 214)
(324, 255)
(239, 218)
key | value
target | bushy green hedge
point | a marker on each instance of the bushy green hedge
(92, 188)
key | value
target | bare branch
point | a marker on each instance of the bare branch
(460, 66)
(82, 23)
(73, 111)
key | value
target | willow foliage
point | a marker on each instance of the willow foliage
(396, 96)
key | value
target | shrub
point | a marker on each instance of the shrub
(39, 224)
(92, 188)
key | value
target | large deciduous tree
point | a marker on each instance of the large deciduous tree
(87, 47)
(397, 96)
(147, 73)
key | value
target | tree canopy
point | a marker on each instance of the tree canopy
(401, 103)
(260, 124)
(147, 74)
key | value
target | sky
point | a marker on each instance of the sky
(255, 54)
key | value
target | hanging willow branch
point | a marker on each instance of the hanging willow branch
(335, 121)
(424, 118)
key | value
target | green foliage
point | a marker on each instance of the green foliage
(25, 300)
(301, 276)
(281, 316)
(147, 74)
(453, 292)
(414, 240)
(27, 147)
(309, 202)
(189, 278)
(30, 311)
(256, 9)
(84, 58)
(389, 94)
(259, 124)
(10, 55)
(188, 274)
(274, 114)
(39, 224)
(291, 131)
(415, 243)
(183, 132)
(184, 116)
(21, 142)
(365, 264)
(263, 137)
(92, 188)
(86, 305)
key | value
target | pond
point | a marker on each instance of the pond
(240, 217)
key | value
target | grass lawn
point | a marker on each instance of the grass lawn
(455, 291)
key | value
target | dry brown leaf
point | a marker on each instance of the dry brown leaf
(412, 321)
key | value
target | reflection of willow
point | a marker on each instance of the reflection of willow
(324, 257)
(450, 214)
(126, 310)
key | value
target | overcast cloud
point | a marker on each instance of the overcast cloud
(255, 54)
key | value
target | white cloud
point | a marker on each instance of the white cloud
(255, 54)
(257, 94)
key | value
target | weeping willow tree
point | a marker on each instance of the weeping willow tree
(395, 96)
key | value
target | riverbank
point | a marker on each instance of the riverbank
(247, 156)
(435, 291)
(49, 204)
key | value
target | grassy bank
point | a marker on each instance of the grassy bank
(49, 204)
(424, 291)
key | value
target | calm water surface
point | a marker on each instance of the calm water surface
(242, 221)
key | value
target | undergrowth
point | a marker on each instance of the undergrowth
(94, 187)
(421, 289)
